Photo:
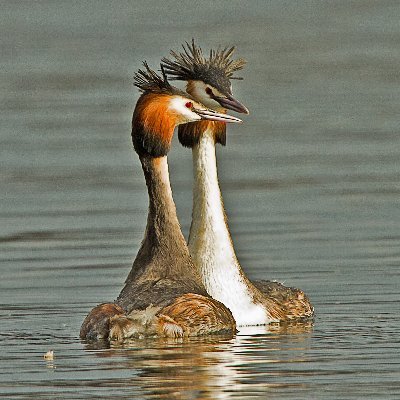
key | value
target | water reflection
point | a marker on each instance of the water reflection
(213, 367)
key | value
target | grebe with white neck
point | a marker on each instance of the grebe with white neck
(210, 242)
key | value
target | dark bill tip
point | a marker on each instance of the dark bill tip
(231, 103)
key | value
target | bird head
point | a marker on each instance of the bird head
(209, 79)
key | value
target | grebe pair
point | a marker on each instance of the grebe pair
(166, 293)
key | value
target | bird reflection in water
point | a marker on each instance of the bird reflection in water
(212, 367)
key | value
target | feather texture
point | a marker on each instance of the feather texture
(216, 70)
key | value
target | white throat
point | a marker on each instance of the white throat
(210, 243)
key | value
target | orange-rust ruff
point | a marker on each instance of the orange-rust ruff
(153, 125)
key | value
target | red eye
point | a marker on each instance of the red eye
(189, 104)
(209, 91)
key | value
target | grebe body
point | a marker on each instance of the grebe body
(163, 294)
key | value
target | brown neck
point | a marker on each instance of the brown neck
(163, 253)
(190, 134)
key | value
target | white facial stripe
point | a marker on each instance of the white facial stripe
(216, 92)
(178, 105)
(199, 93)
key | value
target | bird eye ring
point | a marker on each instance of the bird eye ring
(189, 104)
(209, 91)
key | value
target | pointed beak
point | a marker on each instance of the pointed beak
(214, 116)
(231, 103)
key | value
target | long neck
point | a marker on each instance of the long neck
(210, 242)
(209, 232)
(163, 253)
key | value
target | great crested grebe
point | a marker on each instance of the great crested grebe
(210, 243)
(163, 294)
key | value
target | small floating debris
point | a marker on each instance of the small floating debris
(49, 356)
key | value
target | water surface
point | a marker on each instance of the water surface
(310, 181)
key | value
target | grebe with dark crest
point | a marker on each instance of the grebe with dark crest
(210, 243)
(163, 294)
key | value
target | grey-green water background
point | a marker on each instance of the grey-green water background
(311, 183)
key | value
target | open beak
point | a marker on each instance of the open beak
(231, 103)
(214, 116)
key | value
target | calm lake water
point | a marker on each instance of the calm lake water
(311, 182)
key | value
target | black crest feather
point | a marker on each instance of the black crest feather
(149, 81)
(216, 70)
